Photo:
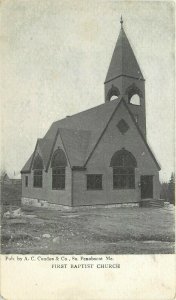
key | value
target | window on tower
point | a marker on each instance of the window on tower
(134, 94)
(113, 93)
(135, 99)
(113, 97)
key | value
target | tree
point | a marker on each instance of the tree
(164, 191)
(171, 189)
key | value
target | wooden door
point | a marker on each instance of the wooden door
(146, 186)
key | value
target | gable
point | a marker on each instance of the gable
(58, 144)
(112, 139)
(76, 144)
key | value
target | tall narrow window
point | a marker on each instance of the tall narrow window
(94, 182)
(58, 178)
(38, 178)
(124, 164)
(58, 164)
(26, 181)
(38, 172)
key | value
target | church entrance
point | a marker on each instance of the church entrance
(146, 186)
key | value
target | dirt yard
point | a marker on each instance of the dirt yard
(89, 231)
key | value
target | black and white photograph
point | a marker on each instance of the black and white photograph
(87, 127)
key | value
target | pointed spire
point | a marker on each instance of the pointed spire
(123, 61)
(121, 22)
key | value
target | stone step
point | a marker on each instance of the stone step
(152, 203)
(155, 205)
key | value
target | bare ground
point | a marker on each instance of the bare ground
(90, 231)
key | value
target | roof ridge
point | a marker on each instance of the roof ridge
(73, 129)
(92, 108)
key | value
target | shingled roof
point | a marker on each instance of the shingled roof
(80, 134)
(123, 61)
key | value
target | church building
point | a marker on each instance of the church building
(101, 155)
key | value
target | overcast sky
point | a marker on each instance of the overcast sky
(54, 59)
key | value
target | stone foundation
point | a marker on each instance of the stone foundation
(46, 204)
(42, 203)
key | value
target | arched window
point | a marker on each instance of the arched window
(135, 99)
(134, 95)
(123, 164)
(58, 165)
(37, 171)
(113, 93)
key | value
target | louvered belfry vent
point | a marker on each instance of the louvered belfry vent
(123, 126)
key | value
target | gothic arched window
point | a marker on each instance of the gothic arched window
(135, 100)
(123, 164)
(113, 93)
(37, 171)
(134, 95)
(58, 165)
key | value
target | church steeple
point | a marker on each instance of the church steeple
(124, 78)
(123, 62)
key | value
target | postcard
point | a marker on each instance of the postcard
(87, 156)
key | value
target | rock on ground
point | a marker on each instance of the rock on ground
(46, 235)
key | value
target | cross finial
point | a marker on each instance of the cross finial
(121, 22)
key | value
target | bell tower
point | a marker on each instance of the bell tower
(124, 78)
